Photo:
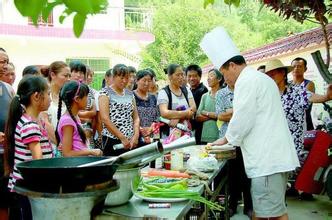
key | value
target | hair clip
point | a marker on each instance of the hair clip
(23, 107)
(78, 89)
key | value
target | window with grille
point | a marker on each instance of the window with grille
(98, 65)
(41, 21)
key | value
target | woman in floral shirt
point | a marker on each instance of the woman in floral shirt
(295, 99)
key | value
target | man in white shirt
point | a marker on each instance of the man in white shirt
(258, 126)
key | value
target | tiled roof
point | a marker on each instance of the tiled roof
(57, 32)
(288, 44)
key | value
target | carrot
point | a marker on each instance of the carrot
(167, 173)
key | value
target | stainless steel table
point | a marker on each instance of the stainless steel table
(139, 209)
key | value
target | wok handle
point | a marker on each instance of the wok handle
(99, 162)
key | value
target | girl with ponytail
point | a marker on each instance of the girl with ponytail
(69, 133)
(26, 135)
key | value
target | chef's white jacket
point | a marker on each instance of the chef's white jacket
(259, 126)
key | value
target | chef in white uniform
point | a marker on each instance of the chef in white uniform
(258, 126)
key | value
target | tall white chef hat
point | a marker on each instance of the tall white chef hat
(218, 46)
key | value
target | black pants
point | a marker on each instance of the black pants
(20, 208)
(239, 183)
(4, 191)
(108, 144)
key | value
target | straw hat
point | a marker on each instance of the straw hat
(219, 47)
(276, 64)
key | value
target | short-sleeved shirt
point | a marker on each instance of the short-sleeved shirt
(28, 131)
(176, 100)
(224, 101)
(66, 120)
(147, 110)
(91, 98)
(121, 112)
(210, 129)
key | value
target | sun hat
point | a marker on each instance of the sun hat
(276, 64)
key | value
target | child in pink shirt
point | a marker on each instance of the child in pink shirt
(70, 134)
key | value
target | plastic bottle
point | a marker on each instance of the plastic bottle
(179, 125)
(177, 159)
(159, 163)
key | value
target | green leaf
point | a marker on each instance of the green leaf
(228, 2)
(64, 14)
(98, 5)
(136, 182)
(78, 23)
(82, 7)
(236, 3)
(46, 11)
(207, 2)
(62, 18)
(21, 7)
(30, 8)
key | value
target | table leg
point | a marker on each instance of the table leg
(226, 215)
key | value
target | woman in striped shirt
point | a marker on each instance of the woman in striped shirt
(26, 135)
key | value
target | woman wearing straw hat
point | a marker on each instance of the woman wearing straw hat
(295, 101)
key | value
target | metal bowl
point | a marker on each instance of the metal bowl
(124, 178)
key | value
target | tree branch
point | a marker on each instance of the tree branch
(327, 44)
(313, 21)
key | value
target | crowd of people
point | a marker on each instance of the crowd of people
(56, 113)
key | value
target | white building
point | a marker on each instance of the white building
(116, 36)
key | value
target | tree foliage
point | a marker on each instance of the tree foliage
(317, 11)
(300, 10)
(178, 28)
(81, 9)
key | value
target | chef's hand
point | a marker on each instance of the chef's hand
(96, 152)
(173, 122)
(220, 141)
(2, 138)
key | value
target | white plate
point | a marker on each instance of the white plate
(150, 199)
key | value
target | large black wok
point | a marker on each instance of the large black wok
(63, 174)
